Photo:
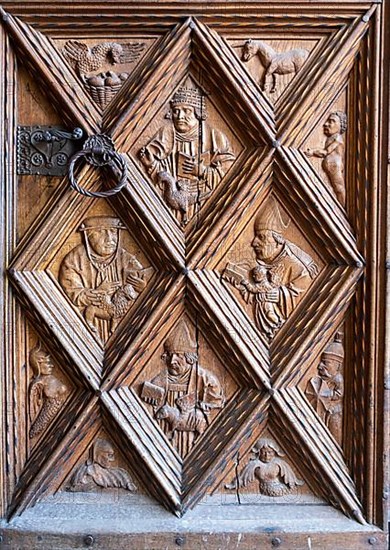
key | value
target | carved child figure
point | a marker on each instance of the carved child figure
(46, 392)
(274, 475)
(333, 152)
(261, 286)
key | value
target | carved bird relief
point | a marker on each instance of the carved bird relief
(180, 194)
(86, 60)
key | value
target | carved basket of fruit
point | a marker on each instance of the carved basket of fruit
(104, 86)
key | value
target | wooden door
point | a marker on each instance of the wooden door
(197, 326)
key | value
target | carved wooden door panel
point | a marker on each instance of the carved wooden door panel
(193, 252)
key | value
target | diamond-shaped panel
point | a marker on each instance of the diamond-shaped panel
(190, 390)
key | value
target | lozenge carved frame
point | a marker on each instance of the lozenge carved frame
(359, 27)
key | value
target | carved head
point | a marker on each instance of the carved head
(40, 361)
(336, 123)
(332, 358)
(103, 453)
(249, 50)
(162, 413)
(269, 226)
(102, 234)
(180, 350)
(188, 106)
(267, 449)
(259, 274)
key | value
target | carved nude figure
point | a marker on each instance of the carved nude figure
(333, 152)
(274, 63)
(275, 476)
(98, 471)
(46, 393)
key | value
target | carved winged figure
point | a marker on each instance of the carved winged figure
(274, 475)
(180, 194)
(86, 60)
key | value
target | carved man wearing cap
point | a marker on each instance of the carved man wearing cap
(184, 394)
(325, 391)
(289, 271)
(101, 277)
(188, 149)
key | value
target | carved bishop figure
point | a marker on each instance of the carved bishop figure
(184, 394)
(282, 274)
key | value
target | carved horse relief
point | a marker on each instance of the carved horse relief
(275, 63)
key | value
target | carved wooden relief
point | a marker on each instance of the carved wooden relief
(212, 330)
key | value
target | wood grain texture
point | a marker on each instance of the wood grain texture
(261, 373)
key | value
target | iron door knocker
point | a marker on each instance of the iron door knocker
(99, 150)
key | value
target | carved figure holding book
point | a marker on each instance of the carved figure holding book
(281, 276)
(194, 155)
(184, 395)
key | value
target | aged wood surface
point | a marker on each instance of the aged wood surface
(201, 315)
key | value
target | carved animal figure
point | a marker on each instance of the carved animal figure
(113, 307)
(274, 63)
(185, 420)
(86, 60)
(180, 194)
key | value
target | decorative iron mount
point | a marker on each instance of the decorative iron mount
(45, 150)
(99, 150)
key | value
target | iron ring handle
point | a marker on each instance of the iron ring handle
(114, 158)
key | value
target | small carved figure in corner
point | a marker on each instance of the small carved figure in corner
(273, 62)
(46, 394)
(274, 475)
(98, 471)
(333, 153)
(325, 391)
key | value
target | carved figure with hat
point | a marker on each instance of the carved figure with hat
(285, 267)
(100, 277)
(325, 391)
(193, 391)
(187, 156)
